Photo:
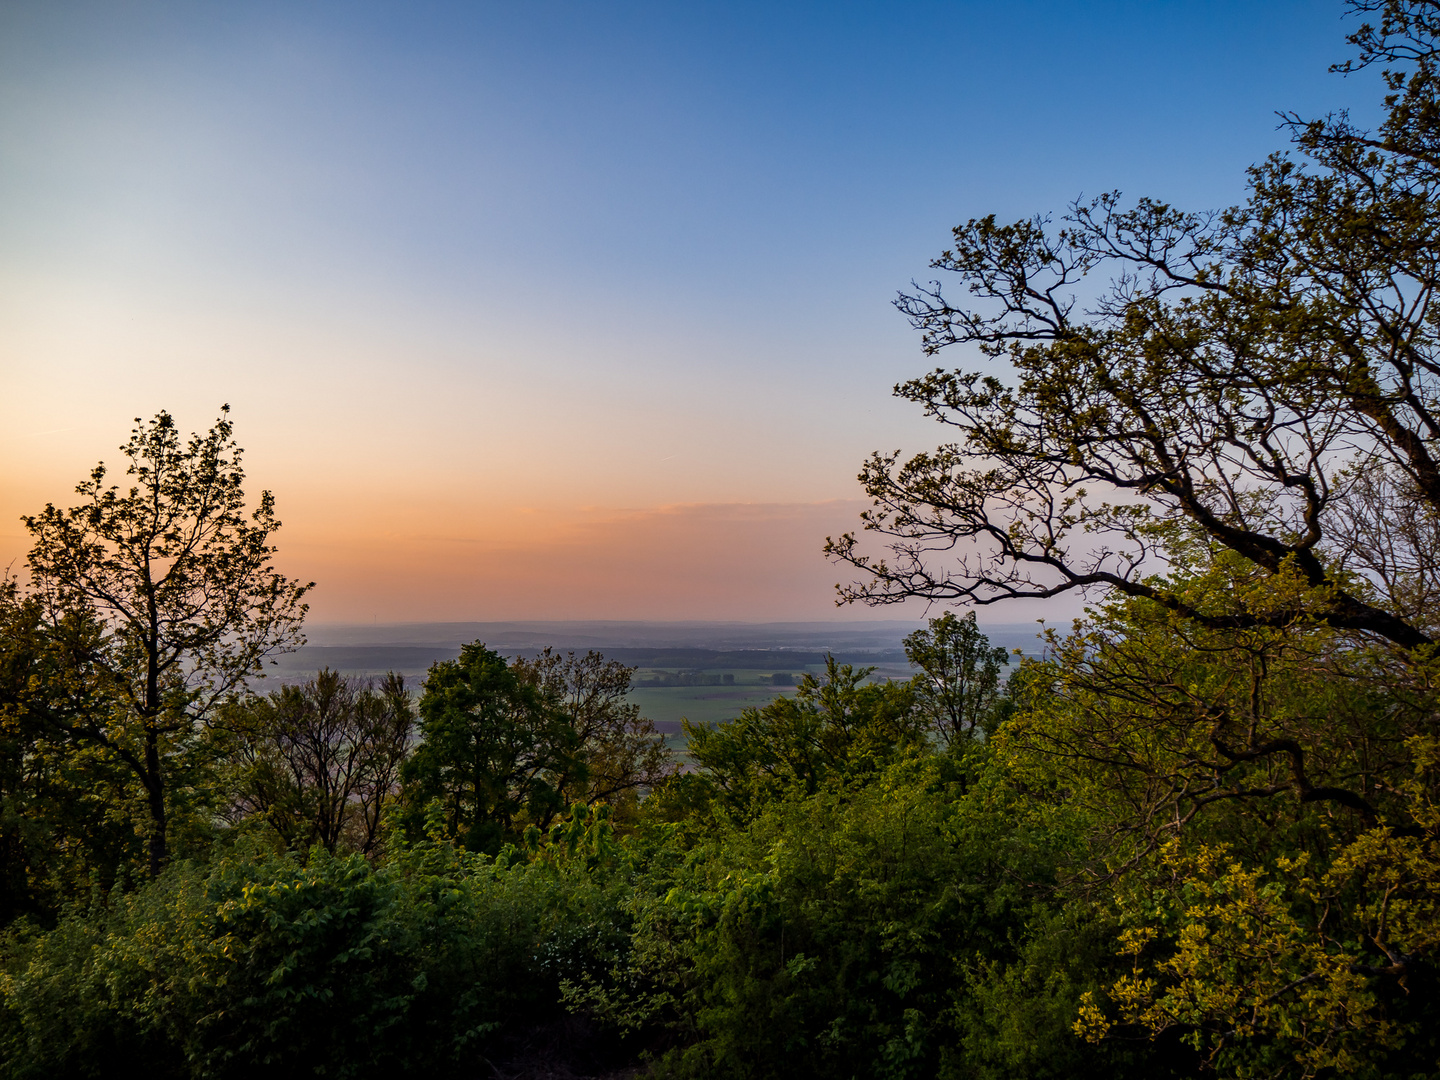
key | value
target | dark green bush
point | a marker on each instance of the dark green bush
(319, 966)
(900, 926)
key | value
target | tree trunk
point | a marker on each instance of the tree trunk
(155, 792)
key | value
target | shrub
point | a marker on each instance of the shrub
(315, 966)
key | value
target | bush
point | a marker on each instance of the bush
(319, 966)
(902, 925)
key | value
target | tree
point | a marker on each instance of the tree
(1268, 375)
(622, 753)
(1236, 443)
(959, 680)
(321, 761)
(165, 593)
(1255, 391)
(494, 751)
(63, 827)
(838, 725)
(1262, 825)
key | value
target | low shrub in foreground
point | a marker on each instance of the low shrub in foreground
(311, 966)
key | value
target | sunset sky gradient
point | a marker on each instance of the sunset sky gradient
(562, 310)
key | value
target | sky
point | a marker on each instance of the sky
(556, 310)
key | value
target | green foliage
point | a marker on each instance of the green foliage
(509, 745)
(66, 812)
(495, 751)
(881, 928)
(1256, 797)
(837, 725)
(1233, 440)
(959, 682)
(163, 599)
(620, 753)
(318, 762)
(326, 966)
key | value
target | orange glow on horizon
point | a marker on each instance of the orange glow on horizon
(746, 561)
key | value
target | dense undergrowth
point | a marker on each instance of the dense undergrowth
(905, 925)
(844, 884)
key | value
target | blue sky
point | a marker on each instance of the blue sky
(482, 278)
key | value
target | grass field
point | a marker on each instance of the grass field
(667, 705)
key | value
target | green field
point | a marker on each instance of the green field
(668, 705)
(707, 704)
